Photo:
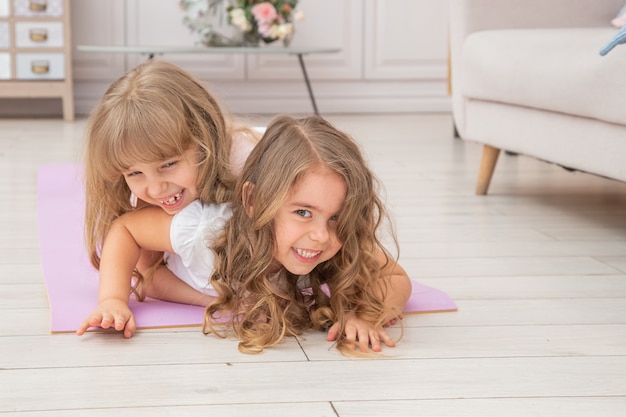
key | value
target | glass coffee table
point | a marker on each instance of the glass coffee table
(152, 51)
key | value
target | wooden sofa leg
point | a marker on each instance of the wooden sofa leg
(487, 165)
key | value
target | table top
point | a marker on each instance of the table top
(163, 49)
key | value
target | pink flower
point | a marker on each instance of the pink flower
(264, 12)
(265, 29)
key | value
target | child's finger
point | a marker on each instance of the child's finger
(83, 327)
(333, 333)
(352, 337)
(120, 322)
(375, 342)
(130, 328)
(387, 340)
(366, 338)
(105, 321)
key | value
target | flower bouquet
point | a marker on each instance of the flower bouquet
(257, 21)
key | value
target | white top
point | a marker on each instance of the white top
(192, 233)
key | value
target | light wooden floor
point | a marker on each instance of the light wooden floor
(537, 267)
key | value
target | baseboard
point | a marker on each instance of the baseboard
(271, 98)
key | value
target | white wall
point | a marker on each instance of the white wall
(393, 56)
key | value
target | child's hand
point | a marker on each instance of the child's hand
(112, 313)
(362, 332)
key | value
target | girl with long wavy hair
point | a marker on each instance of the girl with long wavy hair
(301, 250)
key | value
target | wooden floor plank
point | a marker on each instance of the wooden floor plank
(149, 347)
(489, 342)
(496, 407)
(303, 409)
(350, 380)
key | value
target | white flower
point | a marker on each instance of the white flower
(238, 19)
(281, 31)
(298, 15)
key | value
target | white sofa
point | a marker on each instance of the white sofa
(527, 77)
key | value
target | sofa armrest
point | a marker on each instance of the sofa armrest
(471, 15)
(468, 16)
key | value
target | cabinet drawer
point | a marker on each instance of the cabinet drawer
(40, 66)
(4, 8)
(39, 34)
(4, 35)
(5, 66)
(38, 7)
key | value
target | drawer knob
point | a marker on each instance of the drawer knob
(40, 66)
(38, 5)
(38, 35)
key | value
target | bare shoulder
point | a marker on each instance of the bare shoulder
(244, 140)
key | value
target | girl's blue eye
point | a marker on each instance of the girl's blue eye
(132, 174)
(334, 218)
(169, 164)
(303, 213)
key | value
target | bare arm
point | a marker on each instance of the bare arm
(398, 286)
(149, 229)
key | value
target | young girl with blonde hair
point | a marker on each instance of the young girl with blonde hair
(301, 249)
(158, 144)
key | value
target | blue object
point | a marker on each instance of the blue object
(619, 38)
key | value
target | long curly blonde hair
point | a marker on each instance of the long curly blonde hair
(262, 307)
(153, 112)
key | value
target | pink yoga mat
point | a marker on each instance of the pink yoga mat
(72, 283)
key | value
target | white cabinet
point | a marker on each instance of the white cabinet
(4, 8)
(5, 66)
(35, 51)
(4, 35)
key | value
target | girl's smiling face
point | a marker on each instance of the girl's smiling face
(306, 224)
(170, 184)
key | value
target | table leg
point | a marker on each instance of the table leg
(308, 83)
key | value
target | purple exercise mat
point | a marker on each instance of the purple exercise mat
(72, 283)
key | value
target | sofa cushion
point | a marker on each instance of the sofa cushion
(550, 69)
